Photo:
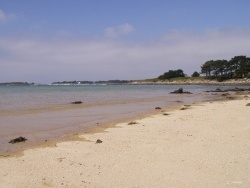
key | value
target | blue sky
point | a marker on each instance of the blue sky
(56, 40)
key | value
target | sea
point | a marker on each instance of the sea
(45, 113)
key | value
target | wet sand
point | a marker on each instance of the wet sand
(205, 145)
(43, 127)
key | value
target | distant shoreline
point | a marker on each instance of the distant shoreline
(196, 82)
(187, 81)
(16, 84)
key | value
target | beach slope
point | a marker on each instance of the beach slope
(204, 145)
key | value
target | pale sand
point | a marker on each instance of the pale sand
(204, 146)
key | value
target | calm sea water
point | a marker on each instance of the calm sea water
(45, 112)
(17, 98)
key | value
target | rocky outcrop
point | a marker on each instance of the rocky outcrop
(132, 123)
(77, 102)
(98, 141)
(236, 89)
(180, 91)
(19, 139)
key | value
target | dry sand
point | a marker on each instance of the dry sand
(204, 146)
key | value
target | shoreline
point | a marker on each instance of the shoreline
(19, 148)
(181, 149)
(187, 81)
(95, 128)
(230, 82)
(50, 137)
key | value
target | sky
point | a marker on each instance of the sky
(66, 40)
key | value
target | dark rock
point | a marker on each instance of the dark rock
(239, 89)
(166, 114)
(77, 102)
(19, 139)
(98, 141)
(228, 90)
(248, 104)
(180, 91)
(178, 101)
(217, 90)
(225, 94)
(184, 108)
(158, 108)
(132, 123)
(187, 92)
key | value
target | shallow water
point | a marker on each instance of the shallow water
(45, 112)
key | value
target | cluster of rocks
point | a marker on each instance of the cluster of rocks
(16, 140)
(228, 90)
(180, 91)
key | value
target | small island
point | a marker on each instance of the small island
(16, 84)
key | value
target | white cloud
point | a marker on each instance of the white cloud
(3, 16)
(47, 60)
(123, 29)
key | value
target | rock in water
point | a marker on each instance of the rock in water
(20, 139)
(77, 102)
(180, 91)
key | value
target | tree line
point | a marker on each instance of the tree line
(172, 74)
(237, 67)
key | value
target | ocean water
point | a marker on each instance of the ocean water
(44, 113)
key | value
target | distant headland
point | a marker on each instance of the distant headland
(16, 84)
(217, 72)
(156, 81)
(92, 82)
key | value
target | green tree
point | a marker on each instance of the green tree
(237, 67)
(206, 68)
(172, 74)
(241, 66)
(195, 74)
(219, 67)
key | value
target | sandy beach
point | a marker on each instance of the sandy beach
(205, 145)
